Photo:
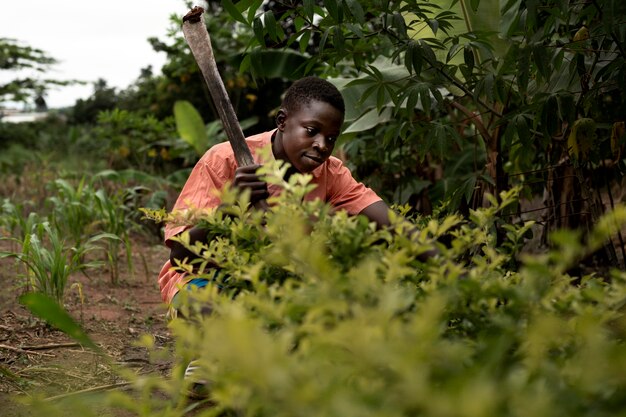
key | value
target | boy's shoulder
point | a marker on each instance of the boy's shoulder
(333, 164)
(260, 139)
(224, 151)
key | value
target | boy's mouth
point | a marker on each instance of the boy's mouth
(317, 159)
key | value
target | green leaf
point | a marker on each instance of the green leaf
(468, 56)
(381, 97)
(338, 39)
(452, 51)
(523, 69)
(356, 10)
(234, 12)
(523, 130)
(324, 39)
(356, 29)
(417, 58)
(277, 63)
(245, 64)
(304, 41)
(270, 25)
(259, 34)
(510, 17)
(542, 61)
(433, 24)
(309, 9)
(549, 115)
(252, 10)
(424, 92)
(467, 188)
(567, 107)
(190, 125)
(370, 119)
(49, 310)
(400, 25)
(333, 9)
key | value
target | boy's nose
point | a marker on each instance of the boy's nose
(321, 144)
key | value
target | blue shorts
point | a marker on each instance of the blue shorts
(194, 284)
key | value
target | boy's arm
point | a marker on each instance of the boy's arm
(377, 212)
(178, 251)
(245, 178)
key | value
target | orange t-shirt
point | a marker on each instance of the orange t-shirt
(335, 185)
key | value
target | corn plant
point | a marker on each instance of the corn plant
(49, 261)
(14, 219)
(112, 219)
(73, 209)
(14, 222)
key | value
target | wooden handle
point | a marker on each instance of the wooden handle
(198, 40)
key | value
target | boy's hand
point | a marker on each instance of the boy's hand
(246, 177)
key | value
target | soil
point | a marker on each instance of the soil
(36, 358)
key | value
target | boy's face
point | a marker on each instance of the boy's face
(309, 134)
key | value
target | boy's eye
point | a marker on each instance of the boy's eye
(331, 139)
(311, 131)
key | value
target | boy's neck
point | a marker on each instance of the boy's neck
(278, 152)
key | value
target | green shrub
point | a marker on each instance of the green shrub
(330, 317)
(49, 260)
(73, 208)
(130, 140)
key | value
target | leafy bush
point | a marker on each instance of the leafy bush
(49, 260)
(332, 317)
(79, 217)
(131, 140)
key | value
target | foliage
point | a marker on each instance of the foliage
(496, 85)
(42, 135)
(103, 98)
(332, 317)
(131, 140)
(72, 208)
(195, 133)
(48, 309)
(17, 57)
(49, 261)
(79, 217)
(113, 219)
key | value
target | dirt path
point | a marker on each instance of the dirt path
(44, 360)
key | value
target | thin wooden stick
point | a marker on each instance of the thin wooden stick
(18, 350)
(88, 390)
(51, 346)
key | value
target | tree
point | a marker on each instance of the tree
(16, 57)
(557, 62)
(103, 98)
(447, 102)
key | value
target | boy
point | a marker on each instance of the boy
(307, 126)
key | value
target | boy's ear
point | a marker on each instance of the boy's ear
(281, 118)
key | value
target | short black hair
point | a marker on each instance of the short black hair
(307, 89)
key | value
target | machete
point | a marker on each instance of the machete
(197, 37)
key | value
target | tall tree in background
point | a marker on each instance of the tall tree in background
(17, 58)
(448, 101)
(465, 100)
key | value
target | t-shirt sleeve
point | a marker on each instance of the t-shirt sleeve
(346, 193)
(208, 176)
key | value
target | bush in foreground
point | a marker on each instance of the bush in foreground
(329, 317)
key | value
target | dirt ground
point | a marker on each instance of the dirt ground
(41, 359)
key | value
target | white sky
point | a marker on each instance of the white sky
(105, 39)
